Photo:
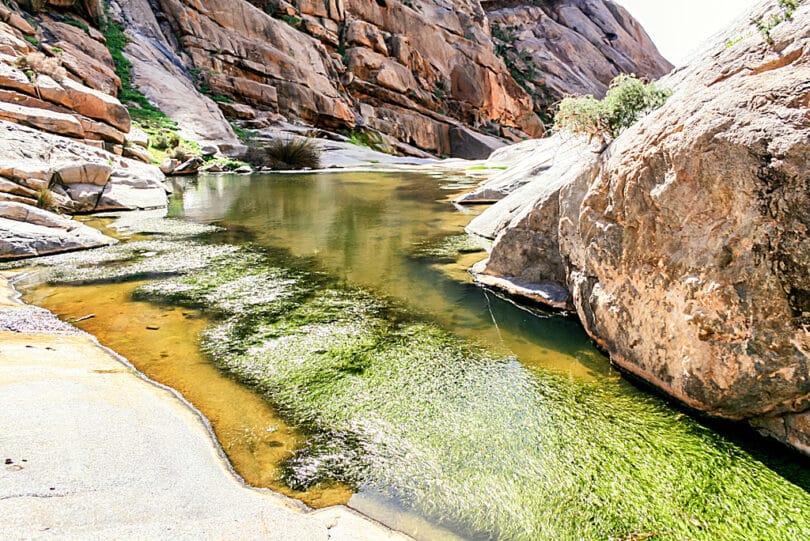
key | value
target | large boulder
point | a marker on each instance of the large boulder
(685, 245)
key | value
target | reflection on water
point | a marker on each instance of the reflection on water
(447, 410)
(365, 230)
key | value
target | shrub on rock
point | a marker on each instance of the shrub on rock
(627, 100)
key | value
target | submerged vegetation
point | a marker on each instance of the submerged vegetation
(395, 404)
(626, 101)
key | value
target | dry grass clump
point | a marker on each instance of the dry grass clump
(38, 63)
(286, 154)
(45, 199)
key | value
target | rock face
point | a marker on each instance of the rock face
(423, 73)
(61, 134)
(426, 76)
(685, 245)
(160, 74)
(28, 232)
(571, 47)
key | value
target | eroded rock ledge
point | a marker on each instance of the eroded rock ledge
(685, 245)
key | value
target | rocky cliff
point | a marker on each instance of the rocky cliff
(64, 139)
(684, 246)
(419, 77)
(423, 73)
(570, 47)
(426, 76)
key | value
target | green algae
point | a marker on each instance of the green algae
(394, 404)
(478, 442)
(447, 248)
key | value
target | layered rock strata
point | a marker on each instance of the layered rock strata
(63, 136)
(684, 246)
(423, 73)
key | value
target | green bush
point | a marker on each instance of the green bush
(293, 153)
(627, 100)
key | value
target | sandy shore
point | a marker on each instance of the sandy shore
(91, 449)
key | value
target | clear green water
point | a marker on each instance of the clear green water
(341, 299)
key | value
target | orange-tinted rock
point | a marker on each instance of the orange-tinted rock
(571, 47)
(85, 57)
(97, 105)
(58, 123)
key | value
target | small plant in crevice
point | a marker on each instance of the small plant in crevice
(293, 153)
(785, 13)
(244, 135)
(626, 101)
(369, 138)
(45, 200)
(78, 24)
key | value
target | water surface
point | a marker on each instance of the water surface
(342, 354)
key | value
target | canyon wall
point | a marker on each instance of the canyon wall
(425, 74)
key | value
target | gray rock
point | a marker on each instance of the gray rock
(189, 167)
(208, 151)
(23, 239)
(470, 145)
(168, 166)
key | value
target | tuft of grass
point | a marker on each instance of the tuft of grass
(291, 20)
(290, 154)
(79, 24)
(243, 134)
(627, 100)
(369, 138)
(32, 40)
(45, 199)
